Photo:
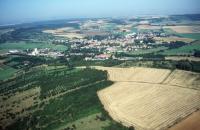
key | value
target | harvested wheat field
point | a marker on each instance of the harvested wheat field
(173, 39)
(149, 103)
(68, 32)
(146, 26)
(184, 79)
(136, 74)
(184, 29)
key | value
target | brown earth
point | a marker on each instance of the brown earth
(190, 123)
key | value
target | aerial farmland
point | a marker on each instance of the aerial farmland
(117, 69)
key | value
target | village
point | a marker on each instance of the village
(97, 49)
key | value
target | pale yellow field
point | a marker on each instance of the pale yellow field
(184, 29)
(173, 39)
(149, 106)
(60, 30)
(68, 32)
(184, 79)
(136, 74)
(148, 27)
(126, 28)
(150, 99)
(71, 35)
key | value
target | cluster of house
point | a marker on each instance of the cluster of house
(97, 49)
(46, 52)
(38, 52)
(108, 46)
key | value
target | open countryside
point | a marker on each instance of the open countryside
(100, 65)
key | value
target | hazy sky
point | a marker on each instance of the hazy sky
(17, 11)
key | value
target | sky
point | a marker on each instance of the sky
(20, 11)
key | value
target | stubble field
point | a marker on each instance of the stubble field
(185, 29)
(150, 99)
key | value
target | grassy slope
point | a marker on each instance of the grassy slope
(195, 36)
(6, 72)
(88, 123)
(70, 107)
(184, 50)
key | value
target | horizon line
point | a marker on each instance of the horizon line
(112, 17)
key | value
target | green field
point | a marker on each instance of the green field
(6, 72)
(57, 80)
(88, 123)
(109, 26)
(23, 46)
(135, 30)
(184, 50)
(195, 36)
(169, 31)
